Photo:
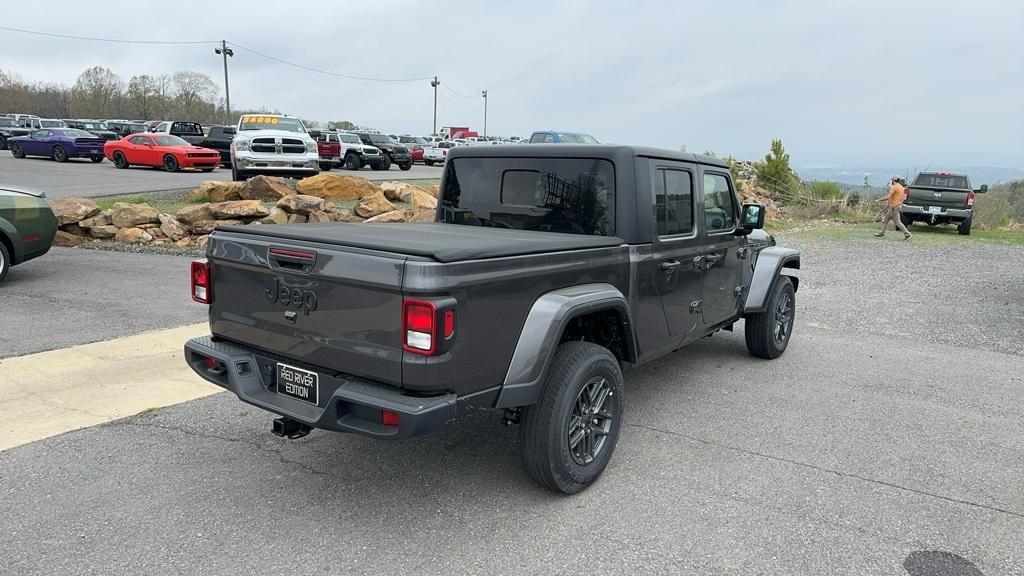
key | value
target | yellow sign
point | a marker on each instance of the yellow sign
(259, 120)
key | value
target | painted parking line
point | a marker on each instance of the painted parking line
(49, 393)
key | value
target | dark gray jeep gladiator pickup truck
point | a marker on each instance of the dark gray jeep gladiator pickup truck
(548, 269)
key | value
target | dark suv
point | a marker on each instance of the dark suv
(393, 153)
(941, 198)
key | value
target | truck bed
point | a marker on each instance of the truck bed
(439, 241)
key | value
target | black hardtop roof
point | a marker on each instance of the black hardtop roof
(608, 151)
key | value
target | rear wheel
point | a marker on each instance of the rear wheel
(16, 150)
(568, 437)
(326, 166)
(5, 261)
(964, 228)
(60, 154)
(405, 166)
(907, 220)
(171, 163)
(119, 160)
(768, 332)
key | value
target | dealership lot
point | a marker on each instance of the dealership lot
(891, 428)
(83, 178)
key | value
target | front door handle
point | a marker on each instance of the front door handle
(711, 259)
(670, 265)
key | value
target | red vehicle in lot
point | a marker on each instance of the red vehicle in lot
(416, 152)
(161, 150)
(328, 146)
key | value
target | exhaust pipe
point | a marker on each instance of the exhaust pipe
(288, 428)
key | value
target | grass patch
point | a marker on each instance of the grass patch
(159, 204)
(928, 236)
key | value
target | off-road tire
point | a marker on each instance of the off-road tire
(17, 151)
(5, 260)
(761, 329)
(171, 163)
(964, 228)
(353, 161)
(544, 426)
(120, 161)
(59, 153)
(386, 163)
(405, 166)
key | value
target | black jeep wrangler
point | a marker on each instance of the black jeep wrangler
(549, 268)
(392, 153)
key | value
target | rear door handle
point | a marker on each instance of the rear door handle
(670, 265)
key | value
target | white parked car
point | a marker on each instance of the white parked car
(438, 153)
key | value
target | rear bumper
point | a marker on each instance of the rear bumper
(922, 213)
(346, 404)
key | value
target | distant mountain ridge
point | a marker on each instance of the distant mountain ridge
(879, 176)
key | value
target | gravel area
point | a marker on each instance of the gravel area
(957, 291)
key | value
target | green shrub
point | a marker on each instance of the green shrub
(825, 190)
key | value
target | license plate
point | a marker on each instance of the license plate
(935, 209)
(298, 383)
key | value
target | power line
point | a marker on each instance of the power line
(446, 87)
(115, 40)
(328, 73)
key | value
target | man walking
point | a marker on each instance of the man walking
(892, 209)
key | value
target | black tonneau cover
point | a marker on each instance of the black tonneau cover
(442, 242)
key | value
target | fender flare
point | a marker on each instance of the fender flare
(767, 268)
(542, 331)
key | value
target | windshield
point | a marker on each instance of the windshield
(570, 138)
(350, 138)
(78, 134)
(137, 128)
(941, 181)
(51, 123)
(271, 123)
(171, 141)
(379, 139)
(8, 123)
(569, 195)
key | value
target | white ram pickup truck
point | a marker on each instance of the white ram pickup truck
(275, 145)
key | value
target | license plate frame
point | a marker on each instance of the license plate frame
(298, 383)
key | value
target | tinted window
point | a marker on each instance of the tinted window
(719, 205)
(569, 138)
(187, 128)
(569, 195)
(171, 141)
(541, 138)
(673, 202)
(141, 140)
(7, 123)
(941, 181)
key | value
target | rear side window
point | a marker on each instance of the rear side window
(673, 202)
(719, 204)
(568, 195)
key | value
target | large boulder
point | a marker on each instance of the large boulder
(66, 239)
(394, 216)
(337, 186)
(217, 191)
(101, 219)
(296, 219)
(276, 216)
(73, 210)
(234, 209)
(133, 236)
(401, 191)
(342, 215)
(207, 226)
(423, 216)
(371, 206)
(195, 213)
(419, 199)
(127, 215)
(103, 231)
(302, 204)
(265, 188)
(172, 227)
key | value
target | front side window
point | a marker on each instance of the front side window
(673, 202)
(40, 134)
(140, 140)
(719, 204)
(171, 141)
(568, 195)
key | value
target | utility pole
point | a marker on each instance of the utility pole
(435, 84)
(225, 52)
(484, 92)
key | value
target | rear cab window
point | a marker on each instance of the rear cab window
(951, 181)
(187, 128)
(567, 195)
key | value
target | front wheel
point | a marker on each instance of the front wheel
(119, 160)
(386, 163)
(171, 163)
(17, 151)
(568, 437)
(352, 162)
(237, 176)
(768, 332)
(405, 166)
(60, 154)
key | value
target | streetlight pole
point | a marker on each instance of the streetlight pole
(484, 92)
(225, 52)
(435, 84)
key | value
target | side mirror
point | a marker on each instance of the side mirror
(752, 217)
(982, 190)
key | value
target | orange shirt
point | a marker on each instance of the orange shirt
(896, 195)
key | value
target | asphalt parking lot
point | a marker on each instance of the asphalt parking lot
(83, 178)
(889, 439)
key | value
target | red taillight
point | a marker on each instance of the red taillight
(200, 280)
(419, 326)
(970, 198)
(389, 418)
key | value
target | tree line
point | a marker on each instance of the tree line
(100, 93)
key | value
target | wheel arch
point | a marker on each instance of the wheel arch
(8, 234)
(591, 312)
(767, 269)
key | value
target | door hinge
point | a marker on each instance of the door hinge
(742, 253)
(740, 291)
(695, 306)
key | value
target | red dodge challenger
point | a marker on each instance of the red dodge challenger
(170, 152)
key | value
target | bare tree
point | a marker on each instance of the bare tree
(143, 96)
(14, 95)
(193, 93)
(96, 93)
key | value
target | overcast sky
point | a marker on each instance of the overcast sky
(865, 81)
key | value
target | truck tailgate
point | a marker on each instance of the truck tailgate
(328, 306)
(920, 196)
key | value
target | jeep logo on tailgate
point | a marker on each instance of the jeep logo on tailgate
(304, 300)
